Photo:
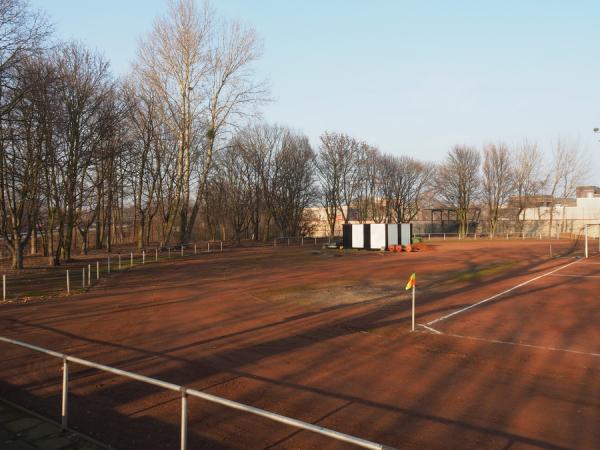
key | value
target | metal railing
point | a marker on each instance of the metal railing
(479, 235)
(185, 392)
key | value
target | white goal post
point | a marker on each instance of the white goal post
(586, 234)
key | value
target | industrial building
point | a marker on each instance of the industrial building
(565, 215)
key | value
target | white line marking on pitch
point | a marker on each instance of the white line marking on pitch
(576, 276)
(485, 300)
(433, 330)
(520, 344)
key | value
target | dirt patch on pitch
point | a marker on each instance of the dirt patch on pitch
(340, 292)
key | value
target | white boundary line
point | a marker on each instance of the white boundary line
(576, 276)
(485, 300)
(517, 344)
(433, 330)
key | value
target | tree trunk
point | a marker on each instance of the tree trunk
(140, 231)
(16, 250)
(33, 246)
(84, 232)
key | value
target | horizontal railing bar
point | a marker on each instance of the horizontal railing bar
(287, 420)
(125, 373)
(85, 362)
(33, 347)
(208, 397)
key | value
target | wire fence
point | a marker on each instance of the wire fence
(476, 235)
(78, 276)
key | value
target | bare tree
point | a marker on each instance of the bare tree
(83, 86)
(23, 32)
(143, 119)
(22, 36)
(339, 170)
(232, 94)
(497, 181)
(289, 188)
(173, 62)
(233, 186)
(201, 71)
(457, 181)
(21, 159)
(367, 199)
(329, 173)
(407, 179)
(568, 168)
(528, 179)
(284, 163)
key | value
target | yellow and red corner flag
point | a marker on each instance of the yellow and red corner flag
(412, 282)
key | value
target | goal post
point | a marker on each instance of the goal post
(586, 234)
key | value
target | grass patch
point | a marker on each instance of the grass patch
(480, 273)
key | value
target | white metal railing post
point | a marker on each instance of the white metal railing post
(183, 418)
(83, 277)
(97, 270)
(68, 283)
(221, 246)
(195, 249)
(65, 394)
(3, 288)
(89, 274)
(131, 258)
(119, 261)
(208, 247)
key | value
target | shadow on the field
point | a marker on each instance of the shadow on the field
(101, 419)
(449, 381)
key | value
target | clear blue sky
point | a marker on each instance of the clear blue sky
(412, 78)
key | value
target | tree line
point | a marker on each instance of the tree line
(177, 148)
(499, 176)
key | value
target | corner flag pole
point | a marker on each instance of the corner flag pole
(412, 282)
(413, 308)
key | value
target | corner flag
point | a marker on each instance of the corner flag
(412, 282)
